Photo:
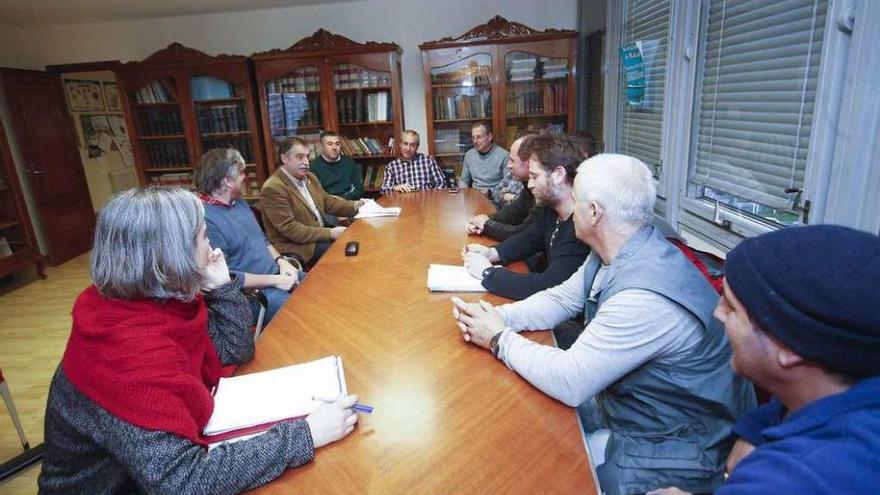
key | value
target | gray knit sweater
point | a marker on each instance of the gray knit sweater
(89, 450)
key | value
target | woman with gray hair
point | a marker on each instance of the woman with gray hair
(163, 322)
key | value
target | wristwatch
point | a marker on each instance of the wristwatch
(493, 344)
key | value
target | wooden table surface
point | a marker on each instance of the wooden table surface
(449, 418)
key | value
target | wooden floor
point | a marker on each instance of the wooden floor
(34, 325)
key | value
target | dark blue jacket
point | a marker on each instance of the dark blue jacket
(829, 446)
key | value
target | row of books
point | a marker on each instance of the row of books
(160, 122)
(182, 179)
(373, 176)
(463, 106)
(288, 111)
(242, 144)
(452, 141)
(364, 146)
(549, 99)
(251, 186)
(210, 88)
(304, 79)
(370, 107)
(525, 67)
(168, 153)
(472, 73)
(159, 91)
(350, 76)
(222, 118)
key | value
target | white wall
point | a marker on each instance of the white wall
(405, 23)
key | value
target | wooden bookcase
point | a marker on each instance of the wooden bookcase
(327, 82)
(179, 103)
(504, 73)
(18, 246)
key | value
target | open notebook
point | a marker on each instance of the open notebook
(452, 278)
(372, 209)
(248, 405)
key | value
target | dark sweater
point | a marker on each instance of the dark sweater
(565, 255)
(512, 217)
(342, 178)
(89, 450)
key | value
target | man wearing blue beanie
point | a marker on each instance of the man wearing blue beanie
(801, 308)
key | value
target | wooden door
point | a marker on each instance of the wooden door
(48, 146)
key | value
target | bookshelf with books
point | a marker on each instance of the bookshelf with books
(503, 73)
(181, 102)
(332, 84)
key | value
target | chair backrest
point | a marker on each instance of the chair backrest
(711, 266)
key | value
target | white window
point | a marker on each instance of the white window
(753, 109)
(640, 126)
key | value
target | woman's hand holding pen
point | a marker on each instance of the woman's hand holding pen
(332, 421)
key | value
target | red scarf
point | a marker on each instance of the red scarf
(149, 362)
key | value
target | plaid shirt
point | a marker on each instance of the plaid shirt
(422, 172)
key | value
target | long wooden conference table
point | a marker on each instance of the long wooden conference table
(449, 418)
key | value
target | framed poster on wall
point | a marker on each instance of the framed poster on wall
(84, 96)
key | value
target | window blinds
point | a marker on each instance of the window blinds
(639, 129)
(754, 106)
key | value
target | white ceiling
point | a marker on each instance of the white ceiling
(42, 12)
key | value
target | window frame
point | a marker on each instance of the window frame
(723, 226)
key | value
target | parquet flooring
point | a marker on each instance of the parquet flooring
(34, 325)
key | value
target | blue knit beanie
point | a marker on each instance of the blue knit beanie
(817, 290)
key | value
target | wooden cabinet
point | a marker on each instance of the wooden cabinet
(18, 246)
(327, 82)
(179, 103)
(503, 73)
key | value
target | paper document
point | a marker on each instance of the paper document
(372, 209)
(452, 278)
(247, 401)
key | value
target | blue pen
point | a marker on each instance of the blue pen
(357, 407)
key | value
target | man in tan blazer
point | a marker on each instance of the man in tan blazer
(293, 204)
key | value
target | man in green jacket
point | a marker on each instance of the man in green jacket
(339, 174)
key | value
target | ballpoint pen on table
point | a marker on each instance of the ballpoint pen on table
(358, 407)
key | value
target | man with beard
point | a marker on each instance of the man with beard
(232, 227)
(552, 163)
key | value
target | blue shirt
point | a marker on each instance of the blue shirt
(830, 446)
(235, 230)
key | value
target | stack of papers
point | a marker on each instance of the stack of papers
(452, 278)
(250, 404)
(372, 209)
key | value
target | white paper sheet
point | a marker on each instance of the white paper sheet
(372, 209)
(259, 398)
(452, 278)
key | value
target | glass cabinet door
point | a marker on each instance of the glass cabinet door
(536, 94)
(364, 110)
(461, 96)
(293, 104)
(222, 119)
(161, 142)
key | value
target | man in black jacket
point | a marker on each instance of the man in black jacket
(552, 163)
(515, 215)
